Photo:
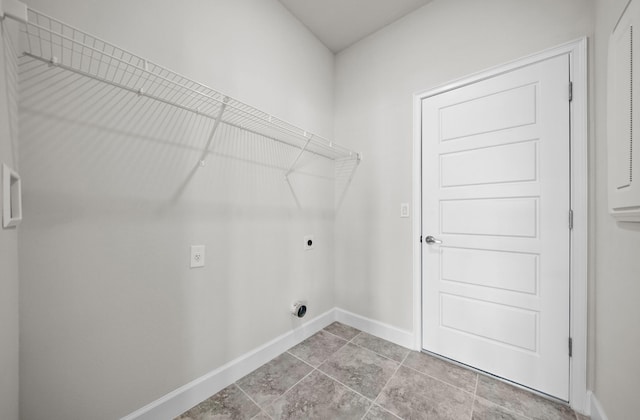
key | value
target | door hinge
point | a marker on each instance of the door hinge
(570, 91)
(570, 219)
(570, 347)
(420, 238)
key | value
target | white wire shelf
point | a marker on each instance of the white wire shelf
(61, 45)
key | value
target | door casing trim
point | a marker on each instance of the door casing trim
(577, 52)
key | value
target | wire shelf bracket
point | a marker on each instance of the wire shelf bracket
(206, 150)
(295, 161)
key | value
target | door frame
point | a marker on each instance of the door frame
(577, 52)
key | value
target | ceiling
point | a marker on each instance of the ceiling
(340, 23)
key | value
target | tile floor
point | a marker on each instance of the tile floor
(343, 373)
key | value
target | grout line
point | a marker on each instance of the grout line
(248, 396)
(336, 335)
(380, 354)
(336, 351)
(404, 359)
(393, 414)
(389, 380)
(286, 391)
(508, 410)
(374, 402)
(303, 361)
(367, 412)
(439, 380)
(346, 386)
(475, 396)
(382, 408)
(475, 391)
(324, 361)
(367, 348)
(291, 387)
(262, 412)
(373, 351)
(400, 364)
(528, 391)
(473, 405)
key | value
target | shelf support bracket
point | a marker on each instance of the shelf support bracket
(295, 161)
(206, 150)
(352, 172)
(293, 192)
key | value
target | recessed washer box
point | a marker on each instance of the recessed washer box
(11, 197)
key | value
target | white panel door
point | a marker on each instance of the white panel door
(495, 170)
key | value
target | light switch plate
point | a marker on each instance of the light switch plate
(197, 256)
(404, 210)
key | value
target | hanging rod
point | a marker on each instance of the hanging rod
(59, 44)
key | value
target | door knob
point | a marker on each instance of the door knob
(431, 240)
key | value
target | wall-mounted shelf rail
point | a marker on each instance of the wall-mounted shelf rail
(52, 41)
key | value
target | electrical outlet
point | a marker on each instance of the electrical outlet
(197, 256)
(309, 243)
(404, 209)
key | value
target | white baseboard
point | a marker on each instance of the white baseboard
(395, 335)
(596, 412)
(187, 396)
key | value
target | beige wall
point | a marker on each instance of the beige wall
(445, 40)
(111, 316)
(617, 262)
(8, 262)
(375, 82)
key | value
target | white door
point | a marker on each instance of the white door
(495, 179)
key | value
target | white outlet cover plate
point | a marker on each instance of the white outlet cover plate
(306, 245)
(197, 256)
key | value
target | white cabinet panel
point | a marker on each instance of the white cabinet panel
(623, 110)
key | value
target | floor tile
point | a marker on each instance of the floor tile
(378, 413)
(342, 330)
(445, 371)
(360, 369)
(581, 417)
(271, 380)
(423, 387)
(317, 348)
(413, 395)
(380, 346)
(319, 397)
(486, 410)
(230, 403)
(521, 401)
